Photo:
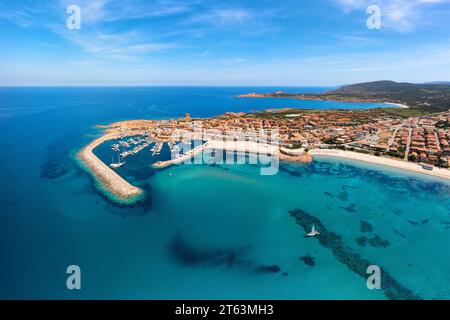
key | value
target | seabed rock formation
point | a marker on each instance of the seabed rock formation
(366, 226)
(190, 256)
(308, 260)
(376, 241)
(391, 288)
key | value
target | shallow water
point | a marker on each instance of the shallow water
(207, 231)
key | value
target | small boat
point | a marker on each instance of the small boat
(427, 167)
(117, 165)
(313, 232)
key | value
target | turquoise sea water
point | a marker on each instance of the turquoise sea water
(203, 231)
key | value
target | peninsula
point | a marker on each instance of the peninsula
(420, 98)
(417, 144)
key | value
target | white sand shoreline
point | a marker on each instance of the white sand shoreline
(124, 191)
(400, 105)
(253, 147)
(398, 164)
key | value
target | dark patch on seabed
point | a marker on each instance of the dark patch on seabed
(391, 288)
(414, 223)
(190, 256)
(365, 226)
(58, 162)
(350, 208)
(267, 269)
(290, 170)
(328, 194)
(308, 260)
(407, 186)
(399, 233)
(376, 241)
(60, 157)
(343, 196)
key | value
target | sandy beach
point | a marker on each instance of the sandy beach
(123, 190)
(398, 164)
(400, 105)
(109, 179)
(254, 147)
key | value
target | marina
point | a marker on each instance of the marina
(123, 146)
(250, 211)
(113, 183)
(132, 146)
(117, 165)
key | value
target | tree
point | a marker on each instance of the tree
(442, 163)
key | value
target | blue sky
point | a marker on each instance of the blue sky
(228, 42)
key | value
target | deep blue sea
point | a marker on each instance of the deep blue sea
(203, 231)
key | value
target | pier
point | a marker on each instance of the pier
(108, 178)
(156, 150)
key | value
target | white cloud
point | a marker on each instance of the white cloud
(94, 38)
(116, 45)
(222, 16)
(22, 15)
(398, 15)
(99, 11)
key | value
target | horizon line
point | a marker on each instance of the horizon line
(205, 85)
(163, 85)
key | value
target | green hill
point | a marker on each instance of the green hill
(421, 98)
(426, 97)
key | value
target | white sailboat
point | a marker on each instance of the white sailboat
(313, 232)
(117, 165)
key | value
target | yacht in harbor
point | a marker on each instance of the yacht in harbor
(117, 165)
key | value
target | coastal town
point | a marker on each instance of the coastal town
(225, 158)
(424, 139)
(417, 144)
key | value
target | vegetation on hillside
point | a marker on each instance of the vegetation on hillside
(421, 98)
